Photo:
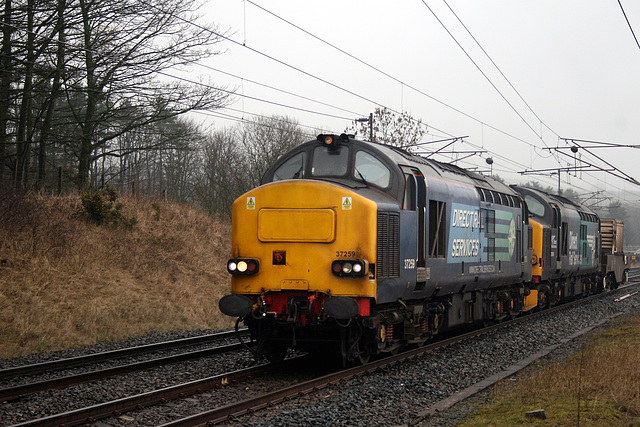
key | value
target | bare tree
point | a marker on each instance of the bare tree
(234, 160)
(223, 172)
(399, 130)
(56, 85)
(265, 139)
(6, 65)
(167, 167)
(125, 45)
(29, 30)
(78, 74)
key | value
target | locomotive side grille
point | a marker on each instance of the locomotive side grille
(388, 245)
(546, 247)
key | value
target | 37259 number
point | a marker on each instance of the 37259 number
(345, 254)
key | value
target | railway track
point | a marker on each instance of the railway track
(230, 412)
(74, 362)
(10, 393)
(634, 275)
(233, 411)
(117, 407)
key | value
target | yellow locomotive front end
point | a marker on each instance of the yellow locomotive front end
(303, 257)
(537, 261)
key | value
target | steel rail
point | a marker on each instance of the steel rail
(119, 406)
(72, 362)
(12, 393)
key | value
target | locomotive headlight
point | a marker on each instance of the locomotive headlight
(349, 268)
(242, 266)
(245, 266)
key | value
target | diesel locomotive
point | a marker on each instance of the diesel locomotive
(362, 248)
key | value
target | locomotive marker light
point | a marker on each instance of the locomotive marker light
(351, 268)
(332, 142)
(243, 266)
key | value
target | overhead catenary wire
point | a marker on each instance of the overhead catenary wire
(253, 97)
(407, 86)
(482, 72)
(629, 24)
(306, 98)
(245, 120)
(352, 56)
(242, 119)
(402, 83)
(499, 70)
(613, 171)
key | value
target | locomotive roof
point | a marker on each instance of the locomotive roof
(540, 205)
(435, 168)
(557, 199)
(393, 157)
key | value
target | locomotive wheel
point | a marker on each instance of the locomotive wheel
(609, 282)
(363, 354)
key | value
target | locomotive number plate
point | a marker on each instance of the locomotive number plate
(345, 254)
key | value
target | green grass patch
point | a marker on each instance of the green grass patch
(600, 386)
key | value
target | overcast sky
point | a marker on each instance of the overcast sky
(575, 63)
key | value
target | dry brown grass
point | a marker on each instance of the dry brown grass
(66, 281)
(598, 387)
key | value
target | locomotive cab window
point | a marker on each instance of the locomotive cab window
(291, 169)
(535, 207)
(330, 162)
(371, 170)
(437, 225)
(564, 239)
(409, 193)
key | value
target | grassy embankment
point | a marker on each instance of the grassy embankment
(66, 280)
(599, 386)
